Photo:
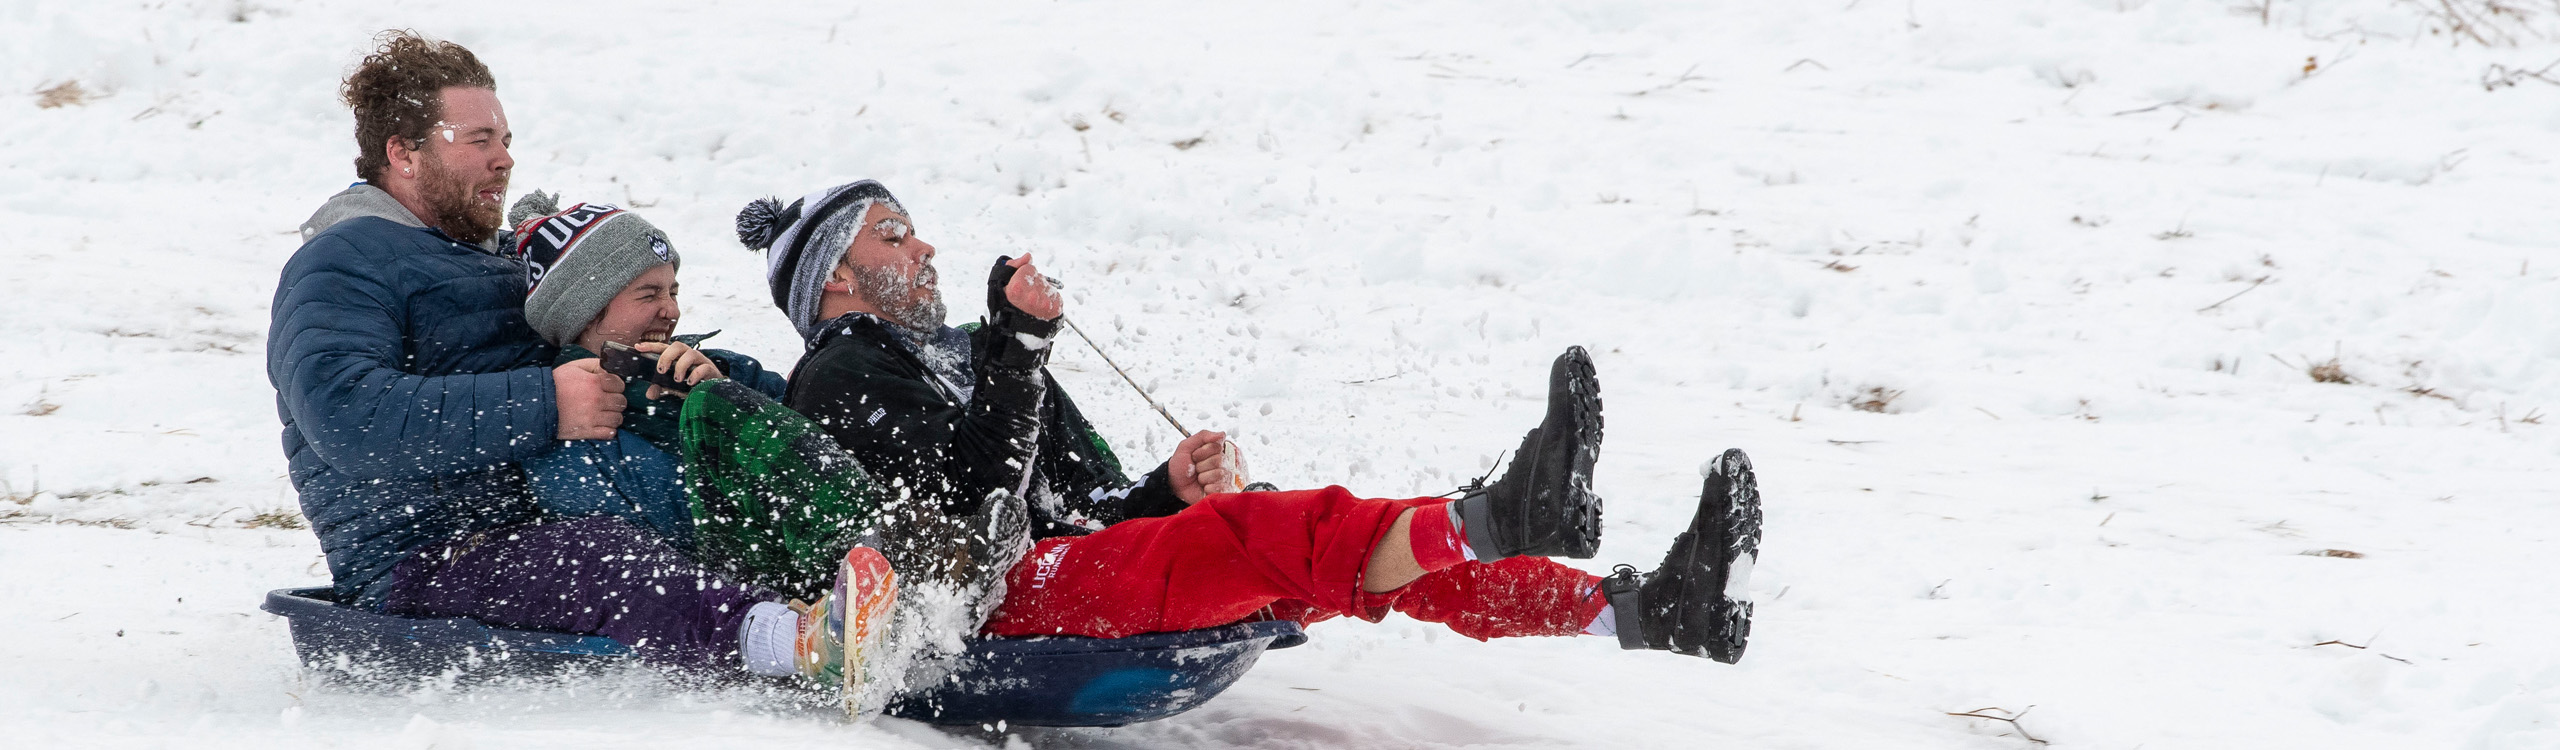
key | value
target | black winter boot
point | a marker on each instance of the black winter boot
(1543, 506)
(1699, 602)
(999, 535)
(968, 555)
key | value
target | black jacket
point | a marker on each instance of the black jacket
(955, 442)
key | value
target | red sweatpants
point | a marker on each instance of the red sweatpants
(1300, 553)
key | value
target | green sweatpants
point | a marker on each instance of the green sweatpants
(775, 501)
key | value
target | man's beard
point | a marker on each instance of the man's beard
(893, 292)
(456, 206)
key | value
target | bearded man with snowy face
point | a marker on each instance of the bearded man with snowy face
(943, 410)
(963, 422)
(886, 271)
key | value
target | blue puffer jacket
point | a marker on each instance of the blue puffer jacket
(410, 387)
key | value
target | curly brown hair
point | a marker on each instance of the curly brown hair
(398, 92)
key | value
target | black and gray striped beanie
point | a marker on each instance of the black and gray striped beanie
(804, 241)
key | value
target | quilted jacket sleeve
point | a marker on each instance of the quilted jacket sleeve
(335, 362)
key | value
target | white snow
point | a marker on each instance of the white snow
(2075, 259)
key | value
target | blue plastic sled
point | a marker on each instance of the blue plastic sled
(1058, 681)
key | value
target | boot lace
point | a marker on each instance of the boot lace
(1477, 484)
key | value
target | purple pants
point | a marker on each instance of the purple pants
(597, 575)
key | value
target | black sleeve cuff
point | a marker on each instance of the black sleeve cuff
(1004, 347)
(1022, 322)
(1154, 495)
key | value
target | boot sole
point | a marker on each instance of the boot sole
(1735, 526)
(869, 594)
(1553, 513)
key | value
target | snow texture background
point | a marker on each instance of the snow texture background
(2079, 257)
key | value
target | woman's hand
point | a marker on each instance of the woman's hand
(687, 364)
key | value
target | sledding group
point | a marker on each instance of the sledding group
(461, 450)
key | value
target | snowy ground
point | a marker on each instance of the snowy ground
(2079, 255)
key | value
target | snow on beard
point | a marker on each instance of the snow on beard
(892, 290)
(455, 204)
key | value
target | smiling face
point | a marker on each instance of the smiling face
(462, 167)
(644, 311)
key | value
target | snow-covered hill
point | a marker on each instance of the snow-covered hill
(2017, 306)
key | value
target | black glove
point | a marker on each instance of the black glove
(1000, 311)
(1000, 346)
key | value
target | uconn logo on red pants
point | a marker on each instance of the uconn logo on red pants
(1046, 566)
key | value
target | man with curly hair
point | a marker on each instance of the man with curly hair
(415, 383)
(409, 383)
(431, 141)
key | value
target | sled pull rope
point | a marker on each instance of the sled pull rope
(1124, 377)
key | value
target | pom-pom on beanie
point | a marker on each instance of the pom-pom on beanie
(805, 240)
(577, 260)
(533, 205)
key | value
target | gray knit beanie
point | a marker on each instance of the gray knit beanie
(577, 260)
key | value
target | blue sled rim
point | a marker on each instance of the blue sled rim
(1066, 681)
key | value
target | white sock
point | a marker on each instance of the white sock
(1606, 624)
(768, 638)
